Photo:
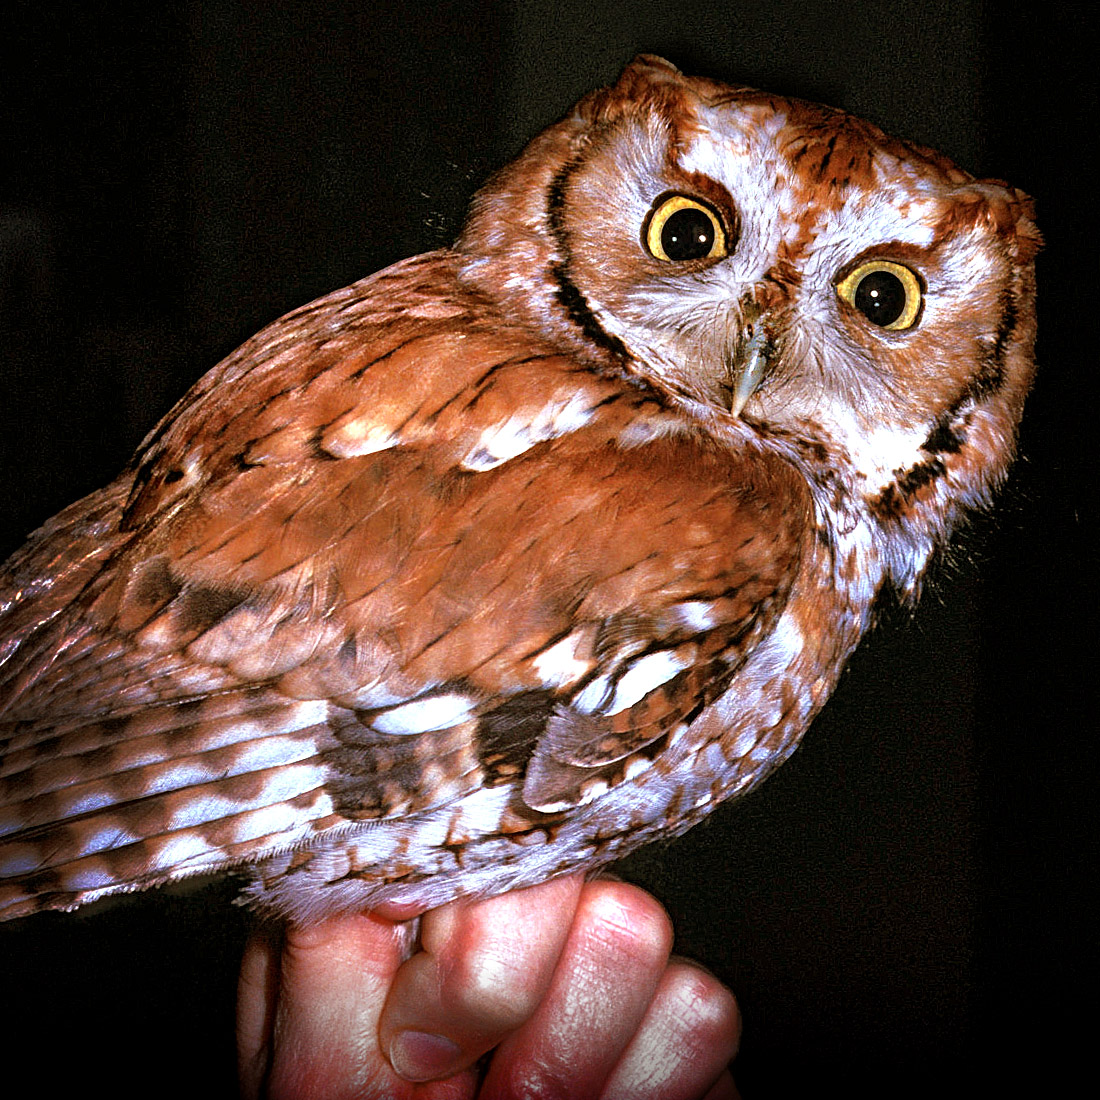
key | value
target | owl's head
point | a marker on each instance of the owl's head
(777, 265)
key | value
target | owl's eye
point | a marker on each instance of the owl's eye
(678, 228)
(887, 294)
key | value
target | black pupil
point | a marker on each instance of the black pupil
(880, 297)
(687, 235)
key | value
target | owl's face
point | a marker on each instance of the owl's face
(780, 261)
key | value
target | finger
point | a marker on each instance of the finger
(606, 977)
(723, 1088)
(257, 990)
(483, 969)
(322, 1033)
(685, 1043)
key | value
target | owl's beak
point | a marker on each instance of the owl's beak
(749, 367)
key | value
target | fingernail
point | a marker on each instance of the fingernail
(421, 1056)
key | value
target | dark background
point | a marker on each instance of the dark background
(901, 909)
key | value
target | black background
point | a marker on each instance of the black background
(901, 909)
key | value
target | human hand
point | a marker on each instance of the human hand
(570, 982)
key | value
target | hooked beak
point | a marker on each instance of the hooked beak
(748, 367)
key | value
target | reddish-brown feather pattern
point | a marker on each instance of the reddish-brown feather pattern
(470, 574)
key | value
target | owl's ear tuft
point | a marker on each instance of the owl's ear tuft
(647, 68)
(1011, 213)
(1021, 210)
(648, 82)
(996, 207)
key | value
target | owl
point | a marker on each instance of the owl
(518, 554)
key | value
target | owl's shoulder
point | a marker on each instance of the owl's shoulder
(416, 379)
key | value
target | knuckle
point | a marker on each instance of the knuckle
(489, 990)
(631, 922)
(707, 1009)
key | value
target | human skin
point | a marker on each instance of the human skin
(567, 987)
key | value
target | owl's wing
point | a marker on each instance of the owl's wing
(457, 563)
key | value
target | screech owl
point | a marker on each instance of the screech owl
(515, 555)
